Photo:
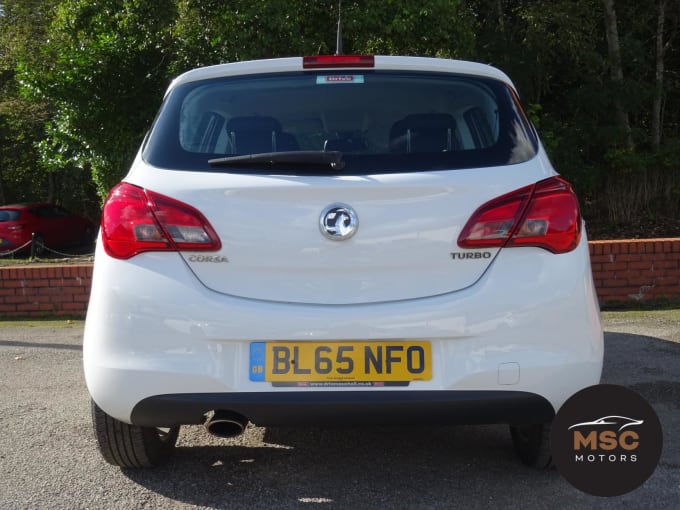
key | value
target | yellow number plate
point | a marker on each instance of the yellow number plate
(340, 362)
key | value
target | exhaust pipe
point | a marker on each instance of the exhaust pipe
(226, 424)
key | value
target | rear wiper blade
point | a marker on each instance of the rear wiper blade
(331, 158)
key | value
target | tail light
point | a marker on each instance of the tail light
(545, 215)
(136, 220)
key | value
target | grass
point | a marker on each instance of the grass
(662, 313)
(641, 306)
(41, 323)
(80, 259)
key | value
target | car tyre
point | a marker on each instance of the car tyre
(132, 446)
(532, 444)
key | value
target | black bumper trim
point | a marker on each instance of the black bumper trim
(325, 408)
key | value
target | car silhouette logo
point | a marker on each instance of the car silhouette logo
(338, 222)
(621, 421)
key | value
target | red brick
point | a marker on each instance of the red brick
(641, 281)
(615, 266)
(87, 271)
(615, 282)
(601, 258)
(615, 297)
(15, 299)
(667, 291)
(43, 299)
(12, 273)
(644, 265)
(666, 280)
(62, 298)
(12, 284)
(38, 283)
(50, 291)
(612, 291)
(665, 264)
(74, 307)
(7, 308)
(30, 307)
(629, 258)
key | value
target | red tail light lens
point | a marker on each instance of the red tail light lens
(331, 61)
(545, 215)
(136, 220)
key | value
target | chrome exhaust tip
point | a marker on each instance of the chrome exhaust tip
(226, 424)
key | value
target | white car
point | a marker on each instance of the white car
(338, 240)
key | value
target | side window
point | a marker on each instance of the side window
(49, 211)
(40, 212)
(10, 215)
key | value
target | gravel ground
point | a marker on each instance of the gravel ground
(48, 457)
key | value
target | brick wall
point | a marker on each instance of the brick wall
(637, 270)
(34, 291)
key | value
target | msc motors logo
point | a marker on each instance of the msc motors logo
(606, 440)
(603, 435)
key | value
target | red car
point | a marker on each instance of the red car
(53, 226)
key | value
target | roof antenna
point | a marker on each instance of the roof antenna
(338, 41)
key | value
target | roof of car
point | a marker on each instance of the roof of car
(382, 62)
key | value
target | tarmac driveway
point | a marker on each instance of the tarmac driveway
(48, 457)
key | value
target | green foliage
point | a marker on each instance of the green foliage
(438, 28)
(80, 80)
(104, 71)
(211, 32)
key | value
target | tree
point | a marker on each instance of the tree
(104, 71)
(213, 32)
(616, 66)
(22, 29)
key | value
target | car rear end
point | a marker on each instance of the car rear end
(14, 231)
(341, 240)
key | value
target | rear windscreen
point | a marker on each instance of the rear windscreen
(381, 122)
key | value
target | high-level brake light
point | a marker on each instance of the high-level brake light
(337, 61)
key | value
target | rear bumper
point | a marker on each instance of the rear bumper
(154, 334)
(349, 408)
